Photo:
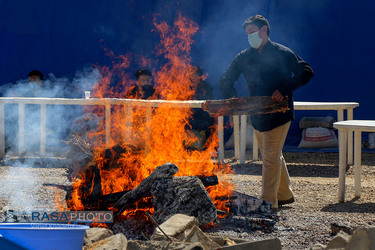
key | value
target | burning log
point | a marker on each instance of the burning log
(247, 205)
(110, 199)
(93, 187)
(90, 188)
(209, 180)
(182, 195)
(172, 195)
(253, 105)
(80, 154)
(164, 171)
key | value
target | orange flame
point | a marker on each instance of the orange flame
(166, 137)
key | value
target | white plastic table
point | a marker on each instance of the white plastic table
(344, 127)
(240, 143)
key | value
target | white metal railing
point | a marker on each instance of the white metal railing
(106, 102)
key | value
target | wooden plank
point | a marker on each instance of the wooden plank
(252, 105)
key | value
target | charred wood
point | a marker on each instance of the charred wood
(184, 195)
(235, 222)
(79, 155)
(164, 171)
(109, 200)
(246, 205)
(66, 188)
(91, 187)
(209, 180)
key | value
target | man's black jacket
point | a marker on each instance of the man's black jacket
(276, 68)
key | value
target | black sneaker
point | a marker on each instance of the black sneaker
(281, 203)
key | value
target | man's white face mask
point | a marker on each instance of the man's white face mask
(254, 40)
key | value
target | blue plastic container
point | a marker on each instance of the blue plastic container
(40, 236)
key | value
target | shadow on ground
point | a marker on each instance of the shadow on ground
(350, 207)
(295, 169)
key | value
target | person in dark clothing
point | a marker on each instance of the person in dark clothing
(201, 121)
(36, 76)
(270, 69)
(144, 88)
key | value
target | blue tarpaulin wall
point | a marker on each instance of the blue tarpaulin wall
(62, 37)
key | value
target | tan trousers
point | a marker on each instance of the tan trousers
(275, 176)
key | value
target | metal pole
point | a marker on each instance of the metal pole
(128, 116)
(220, 130)
(21, 128)
(43, 120)
(108, 125)
(148, 128)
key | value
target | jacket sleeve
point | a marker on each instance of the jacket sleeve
(301, 73)
(228, 79)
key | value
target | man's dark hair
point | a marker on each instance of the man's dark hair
(36, 73)
(257, 20)
(142, 72)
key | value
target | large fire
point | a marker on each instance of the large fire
(166, 138)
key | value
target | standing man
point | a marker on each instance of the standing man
(270, 69)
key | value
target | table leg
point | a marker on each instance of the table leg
(350, 137)
(357, 163)
(342, 163)
(255, 147)
(243, 138)
(236, 133)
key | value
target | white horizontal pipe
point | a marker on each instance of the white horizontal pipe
(102, 101)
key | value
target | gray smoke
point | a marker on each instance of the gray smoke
(59, 117)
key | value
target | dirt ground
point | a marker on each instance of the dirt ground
(306, 222)
(314, 178)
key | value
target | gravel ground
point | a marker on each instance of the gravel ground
(28, 185)
(300, 225)
(314, 178)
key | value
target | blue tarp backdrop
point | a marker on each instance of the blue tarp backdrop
(63, 37)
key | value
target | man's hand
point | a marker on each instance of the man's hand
(277, 96)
